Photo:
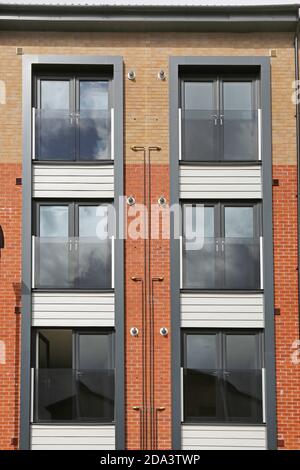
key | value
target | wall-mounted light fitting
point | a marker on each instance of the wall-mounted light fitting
(134, 331)
(131, 75)
(162, 201)
(164, 331)
(130, 201)
(161, 75)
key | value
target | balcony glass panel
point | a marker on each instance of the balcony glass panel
(200, 265)
(74, 395)
(223, 395)
(52, 262)
(72, 263)
(94, 134)
(241, 263)
(200, 394)
(54, 135)
(200, 135)
(240, 134)
(64, 136)
(222, 263)
(243, 394)
(208, 135)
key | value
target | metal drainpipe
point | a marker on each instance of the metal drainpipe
(296, 48)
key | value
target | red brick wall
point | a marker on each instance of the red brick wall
(286, 298)
(160, 267)
(10, 275)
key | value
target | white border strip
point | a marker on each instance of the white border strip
(181, 395)
(33, 133)
(32, 395)
(259, 133)
(112, 133)
(33, 262)
(179, 133)
(261, 261)
(263, 383)
(113, 262)
(180, 258)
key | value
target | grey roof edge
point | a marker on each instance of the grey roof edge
(145, 18)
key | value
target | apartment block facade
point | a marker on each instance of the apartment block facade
(116, 116)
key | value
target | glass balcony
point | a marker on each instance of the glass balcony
(64, 136)
(208, 135)
(74, 395)
(72, 263)
(222, 263)
(223, 395)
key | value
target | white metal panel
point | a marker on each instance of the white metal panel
(73, 309)
(72, 437)
(73, 181)
(223, 437)
(201, 310)
(214, 182)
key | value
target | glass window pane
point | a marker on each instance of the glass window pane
(94, 248)
(199, 130)
(94, 122)
(239, 222)
(199, 257)
(93, 221)
(55, 94)
(93, 95)
(94, 351)
(54, 221)
(241, 351)
(55, 130)
(237, 96)
(239, 122)
(201, 351)
(198, 95)
(55, 349)
(241, 249)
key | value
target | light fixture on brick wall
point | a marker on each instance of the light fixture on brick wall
(131, 75)
(161, 75)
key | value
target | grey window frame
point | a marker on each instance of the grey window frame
(221, 335)
(219, 229)
(218, 78)
(73, 220)
(74, 97)
(75, 345)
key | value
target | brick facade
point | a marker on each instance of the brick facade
(286, 299)
(146, 122)
(10, 296)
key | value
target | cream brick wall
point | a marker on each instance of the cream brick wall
(146, 98)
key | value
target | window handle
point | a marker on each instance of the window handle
(70, 245)
(221, 119)
(217, 246)
(222, 246)
(215, 119)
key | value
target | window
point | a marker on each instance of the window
(221, 246)
(72, 118)
(222, 376)
(74, 375)
(219, 119)
(72, 246)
